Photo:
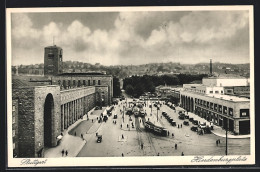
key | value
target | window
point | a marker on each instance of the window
(210, 91)
(13, 133)
(215, 107)
(207, 104)
(50, 56)
(221, 92)
(211, 105)
(230, 111)
(220, 108)
(13, 119)
(225, 109)
(216, 92)
(229, 91)
(88, 82)
(13, 108)
(94, 82)
(99, 82)
(244, 112)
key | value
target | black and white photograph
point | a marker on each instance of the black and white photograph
(130, 86)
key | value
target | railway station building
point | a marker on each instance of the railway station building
(45, 107)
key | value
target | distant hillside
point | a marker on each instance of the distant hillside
(122, 71)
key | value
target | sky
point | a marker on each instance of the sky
(125, 38)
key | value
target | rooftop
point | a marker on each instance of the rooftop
(226, 76)
(82, 74)
(229, 97)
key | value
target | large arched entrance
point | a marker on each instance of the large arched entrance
(48, 115)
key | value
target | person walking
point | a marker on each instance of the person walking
(158, 154)
(217, 142)
(178, 126)
(62, 152)
(66, 153)
(122, 155)
(121, 125)
(92, 120)
(181, 125)
(176, 146)
(182, 154)
(122, 136)
(172, 135)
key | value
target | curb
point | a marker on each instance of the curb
(232, 137)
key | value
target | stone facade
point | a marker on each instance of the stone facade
(66, 107)
(68, 81)
(53, 60)
(220, 111)
(15, 127)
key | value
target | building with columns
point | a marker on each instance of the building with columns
(208, 100)
(45, 106)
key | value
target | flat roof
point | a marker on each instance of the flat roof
(229, 97)
(82, 74)
(226, 76)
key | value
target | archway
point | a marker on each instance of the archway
(48, 115)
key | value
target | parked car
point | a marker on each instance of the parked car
(202, 125)
(173, 123)
(193, 128)
(195, 122)
(98, 107)
(186, 116)
(99, 138)
(191, 119)
(181, 117)
(186, 123)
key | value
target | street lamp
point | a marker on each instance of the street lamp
(226, 138)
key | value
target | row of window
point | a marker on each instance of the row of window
(78, 83)
(213, 106)
(216, 92)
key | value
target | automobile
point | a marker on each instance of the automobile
(186, 116)
(180, 112)
(115, 116)
(173, 123)
(202, 125)
(99, 138)
(164, 113)
(195, 122)
(170, 119)
(181, 117)
(98, 107)
(186, 123)
(191, 119)
(105, 118)
(193, 128)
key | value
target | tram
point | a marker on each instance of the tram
(155, 129)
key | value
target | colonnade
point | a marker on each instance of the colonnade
(187, 103)
(74, 110)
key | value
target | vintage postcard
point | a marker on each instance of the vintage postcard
(130, 86)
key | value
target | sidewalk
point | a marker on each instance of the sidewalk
(73, 144)
(217, 129)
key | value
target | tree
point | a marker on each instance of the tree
(129, 89)
(116, 87)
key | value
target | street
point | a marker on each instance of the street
(126, 141)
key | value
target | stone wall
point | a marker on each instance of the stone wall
(41, 93)
(26, 125)
(102, 93)
(74, 81)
